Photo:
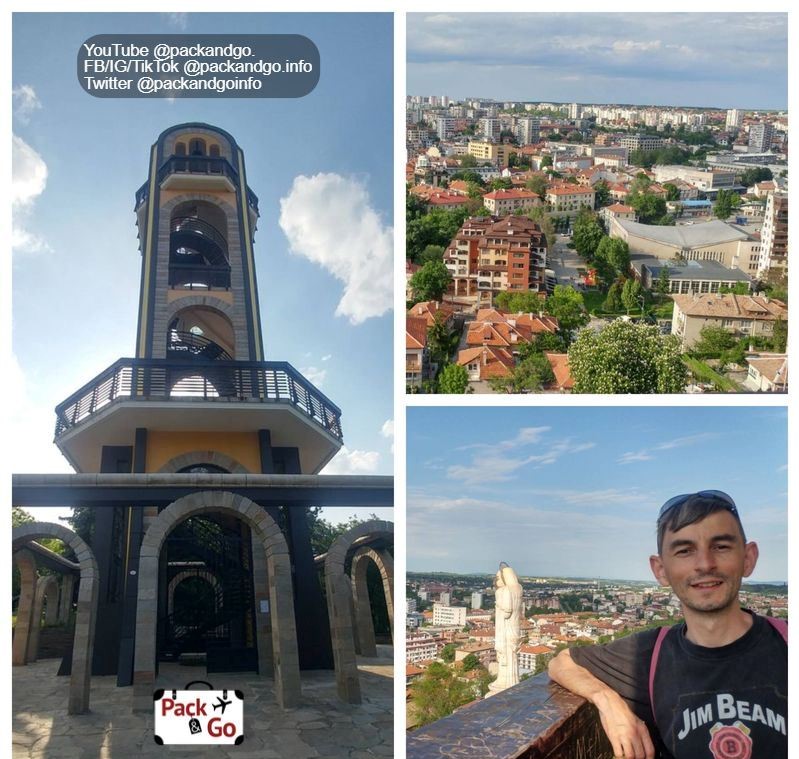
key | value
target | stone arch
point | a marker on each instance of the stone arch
(51, 593)
(65, 601)
(364, 627)
(46, 589)
(83, 645)
(209, 577)
(339, 606)
(280, 593)
(26, 564)
(204, 457)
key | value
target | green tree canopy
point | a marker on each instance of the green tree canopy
(588, 233)
(448, 653)
(437, 694)
(630, 294)
(468, 161)
(530, 375)
(752, 176)
(567, 306)
(439, 340)
(626, 358)
(453, 379)
(602, 193)
(616, 253)
(672, 191)
(501, 183)
(726, 202)
(431, 253)
(435, 228)
(649, 207)
(538, 185)
(430, 282)
(546, 161)
(523, 301)
(712, 342)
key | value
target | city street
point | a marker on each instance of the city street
(564, 262)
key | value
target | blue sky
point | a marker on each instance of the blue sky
(728, 60)
(575, 491)
(78, 161)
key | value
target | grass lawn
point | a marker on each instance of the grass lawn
(703, 373)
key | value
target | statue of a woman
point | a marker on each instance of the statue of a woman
(507, 635)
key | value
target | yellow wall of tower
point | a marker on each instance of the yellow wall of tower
(241, 446)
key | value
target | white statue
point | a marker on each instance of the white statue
(507, 635)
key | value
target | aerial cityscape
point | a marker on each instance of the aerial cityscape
(620, 246)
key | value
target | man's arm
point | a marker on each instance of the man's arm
(627, 734)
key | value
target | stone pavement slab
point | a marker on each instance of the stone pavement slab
(321, 727)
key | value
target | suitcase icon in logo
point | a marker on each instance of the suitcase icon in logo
(193, 717)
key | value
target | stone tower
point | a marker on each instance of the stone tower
(198, 401)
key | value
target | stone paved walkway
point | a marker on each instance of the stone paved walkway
(321, 727)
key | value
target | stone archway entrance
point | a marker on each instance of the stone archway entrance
(83, 645)
(340, 606)
(274, 605)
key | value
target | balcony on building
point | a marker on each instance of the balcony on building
(535, 719)
(189, 391)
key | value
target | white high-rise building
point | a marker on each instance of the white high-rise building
(477, 600)
(449, 615)
(735, 119)
(528, 129)
(575, 111)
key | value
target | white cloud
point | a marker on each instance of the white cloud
(328, 219)
(28, 181)
(387, 431)
(314, 375)
(353, 462)
(327, 357)
(627, 46)
(631, 457)
(25, 102)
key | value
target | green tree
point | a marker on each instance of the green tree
(588, 233)
(470, 661)
(538, 185)
(468, 176)
(437, 694)
(448, 653)
(726, 202)
(567, 306)
(545, 224)
(626, 358)
(468, 161)
(612, 302)
(663, 284)
(616, 252)
(530, 375)
(712, 342)
(453, 379)
(524, 301)
(431, 253)
(501, 183)
(630, 293)
(435, 228)
(672, 191)
(431, 281)
(572, 180)
(546, 161)
(439, 340)
(752, 176)
(779, 338)
(602, 196)
(649, 207)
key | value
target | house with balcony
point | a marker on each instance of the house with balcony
(568, 199)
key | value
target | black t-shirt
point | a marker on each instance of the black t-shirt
(729, 702)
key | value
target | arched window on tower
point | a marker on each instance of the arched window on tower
(197, 147)
(180, 149)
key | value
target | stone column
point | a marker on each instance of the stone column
(51, 602)
(65, 599)
(36, 618)
(26, 564)
(263, 618)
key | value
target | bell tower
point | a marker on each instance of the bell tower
(196, 218)
(198, 398)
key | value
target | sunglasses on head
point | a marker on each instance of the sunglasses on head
(716, 495)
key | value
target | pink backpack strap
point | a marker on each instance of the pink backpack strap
(662, 633)
(781, 626)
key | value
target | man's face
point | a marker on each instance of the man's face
(704, 562)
